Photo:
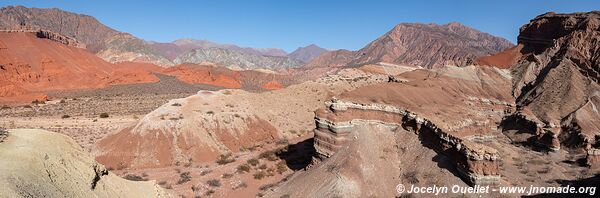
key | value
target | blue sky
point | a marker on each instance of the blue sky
(332, 24)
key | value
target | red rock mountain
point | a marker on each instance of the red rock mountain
(32, 63)
(426, 45)
(81, 27)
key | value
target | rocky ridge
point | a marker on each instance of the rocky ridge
(556, 82)
(236, 60)
(425, 45)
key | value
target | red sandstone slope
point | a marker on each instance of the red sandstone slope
(502, 60)
(30, 65)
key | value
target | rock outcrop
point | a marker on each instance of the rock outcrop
(363, 136)
(37, 163)
(425, 45)
(556, 82)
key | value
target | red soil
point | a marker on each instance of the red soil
(272, 85)
(502, 60)
(204, 74)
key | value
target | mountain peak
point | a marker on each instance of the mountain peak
(307, 53)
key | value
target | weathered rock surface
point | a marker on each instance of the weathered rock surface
(305, 54)
(425, 45)
(556, 82)
(37, 163)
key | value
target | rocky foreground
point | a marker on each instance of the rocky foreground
(47, 164)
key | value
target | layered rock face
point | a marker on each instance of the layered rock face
(449, 110)
(81, 27)
(237, 60)
(305, 54)
(368, 139)
(37, 163)
(425, 45)
(556, 81)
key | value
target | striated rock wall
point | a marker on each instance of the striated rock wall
(47, 34)
(477, 163)
(556, 80)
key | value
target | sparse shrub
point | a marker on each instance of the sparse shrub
(263, 166)
(243, 168)
(281, 167)
(253, 161)
(65, 116)
(227, 175)
(225, 159)
(3, 134)
(266, 186)
(133, 177)
(411, 177)
(259, 174)
(283, 141)
(214, 182)
(104, 115)
(269, 155)
(209, 192)
(184, 177)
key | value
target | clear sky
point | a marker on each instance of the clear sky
(286, 24)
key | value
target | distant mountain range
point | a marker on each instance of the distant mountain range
(115, 46)
(415, 44)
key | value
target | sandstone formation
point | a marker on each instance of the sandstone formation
(358, 125)
(37, 163)
(203, 126)
(236, 60)
(425, 45)
(305, 54)
(556, 81)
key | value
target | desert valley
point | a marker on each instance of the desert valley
(89, 111)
